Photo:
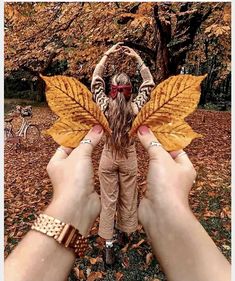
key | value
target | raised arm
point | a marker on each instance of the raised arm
(97, 83)
(147, 84)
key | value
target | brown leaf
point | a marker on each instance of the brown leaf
(118, 276)
(95, 260)
(94, 276)
(124, 249)
(149, 258)
(134, 246)
(171, 101)
(125, 262)
(210, 214)
(226, 212)
(79, 273)
(226, 247)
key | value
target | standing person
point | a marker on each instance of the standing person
(118, 164)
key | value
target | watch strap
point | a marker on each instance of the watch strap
(65, 234)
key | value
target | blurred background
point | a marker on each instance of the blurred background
(70, 39)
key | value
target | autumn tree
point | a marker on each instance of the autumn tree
(70, 38)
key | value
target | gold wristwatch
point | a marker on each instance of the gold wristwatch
(65, 234)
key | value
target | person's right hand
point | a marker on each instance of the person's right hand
(114, 49)
(169, 178)
(131, 53)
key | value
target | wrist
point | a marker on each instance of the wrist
(140, 63)
(81, 212)
(63, 211)
(139, 60)
(152, 213)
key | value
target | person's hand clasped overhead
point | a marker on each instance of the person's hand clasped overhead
(114, 49)
(130, 52)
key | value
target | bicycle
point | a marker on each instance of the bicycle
(27, 131)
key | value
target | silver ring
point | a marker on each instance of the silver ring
(86, 141)
(181, 154)
(154, 143)
(62, 150)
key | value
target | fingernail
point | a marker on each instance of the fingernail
(97, 129)
(143, 130)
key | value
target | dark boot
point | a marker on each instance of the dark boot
(109, 255)
(122, 238)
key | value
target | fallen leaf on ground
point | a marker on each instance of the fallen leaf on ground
(94, 276)
(118, 276)
(95, 260)
(125, 262)
(226, 247)
(125, 248)
(79, 273)
(134, 246)
(149, 258)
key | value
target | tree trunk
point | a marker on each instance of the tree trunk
(163, 35)
(171, 49)
(40, 97)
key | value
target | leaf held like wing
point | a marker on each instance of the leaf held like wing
(175, 136)
(72, 102)
(68, 133)
(70, 99)
(171, 101)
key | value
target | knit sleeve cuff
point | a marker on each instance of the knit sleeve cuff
(145, 73)
(99, 70)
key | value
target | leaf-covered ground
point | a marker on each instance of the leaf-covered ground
(28, 191)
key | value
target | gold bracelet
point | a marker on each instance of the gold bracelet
(65, 234)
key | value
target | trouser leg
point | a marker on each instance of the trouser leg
(109, 194)
(127, 220)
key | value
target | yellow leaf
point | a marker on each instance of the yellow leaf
(148, 258)
(72, 102)
(171, 101)
(69, 98)
(175, 136)
(68, 133)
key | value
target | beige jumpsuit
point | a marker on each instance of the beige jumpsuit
(118, 176)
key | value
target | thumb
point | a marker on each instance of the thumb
(151, 144)
(89, 142)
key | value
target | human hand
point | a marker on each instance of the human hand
(131, 53)
(169, 180)
(114, 49)
(71, 173)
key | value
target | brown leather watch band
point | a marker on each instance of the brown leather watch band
(65, 234)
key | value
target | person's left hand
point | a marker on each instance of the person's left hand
(71, 173)
(131, 53)
(114, 49)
